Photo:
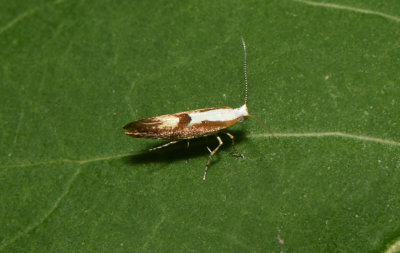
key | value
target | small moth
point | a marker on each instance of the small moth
(193, 124)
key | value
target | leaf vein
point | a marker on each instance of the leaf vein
(24, 15)
(17, 19)
(349, 8)
(331, 134)
(21, 116)
(36, 224)
(154, 232)
(264, 135)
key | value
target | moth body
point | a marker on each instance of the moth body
(192, 124)
(187, 125)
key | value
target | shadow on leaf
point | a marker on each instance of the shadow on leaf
(180, 151)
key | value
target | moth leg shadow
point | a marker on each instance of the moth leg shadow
(180, 150)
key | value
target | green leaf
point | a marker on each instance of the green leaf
(324, 76)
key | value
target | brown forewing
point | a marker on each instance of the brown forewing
(204, 129)
(155, 127)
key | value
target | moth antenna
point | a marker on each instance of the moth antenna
(262, 124)
(245, 70)
(246, 85)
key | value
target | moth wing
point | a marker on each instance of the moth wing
(155, 127)
(179, 126)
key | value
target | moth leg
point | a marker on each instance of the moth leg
(163, 146)
(233, 145)
(212, 153)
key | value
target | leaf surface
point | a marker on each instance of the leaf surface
(323, 76)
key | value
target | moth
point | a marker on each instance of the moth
(193, 124)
